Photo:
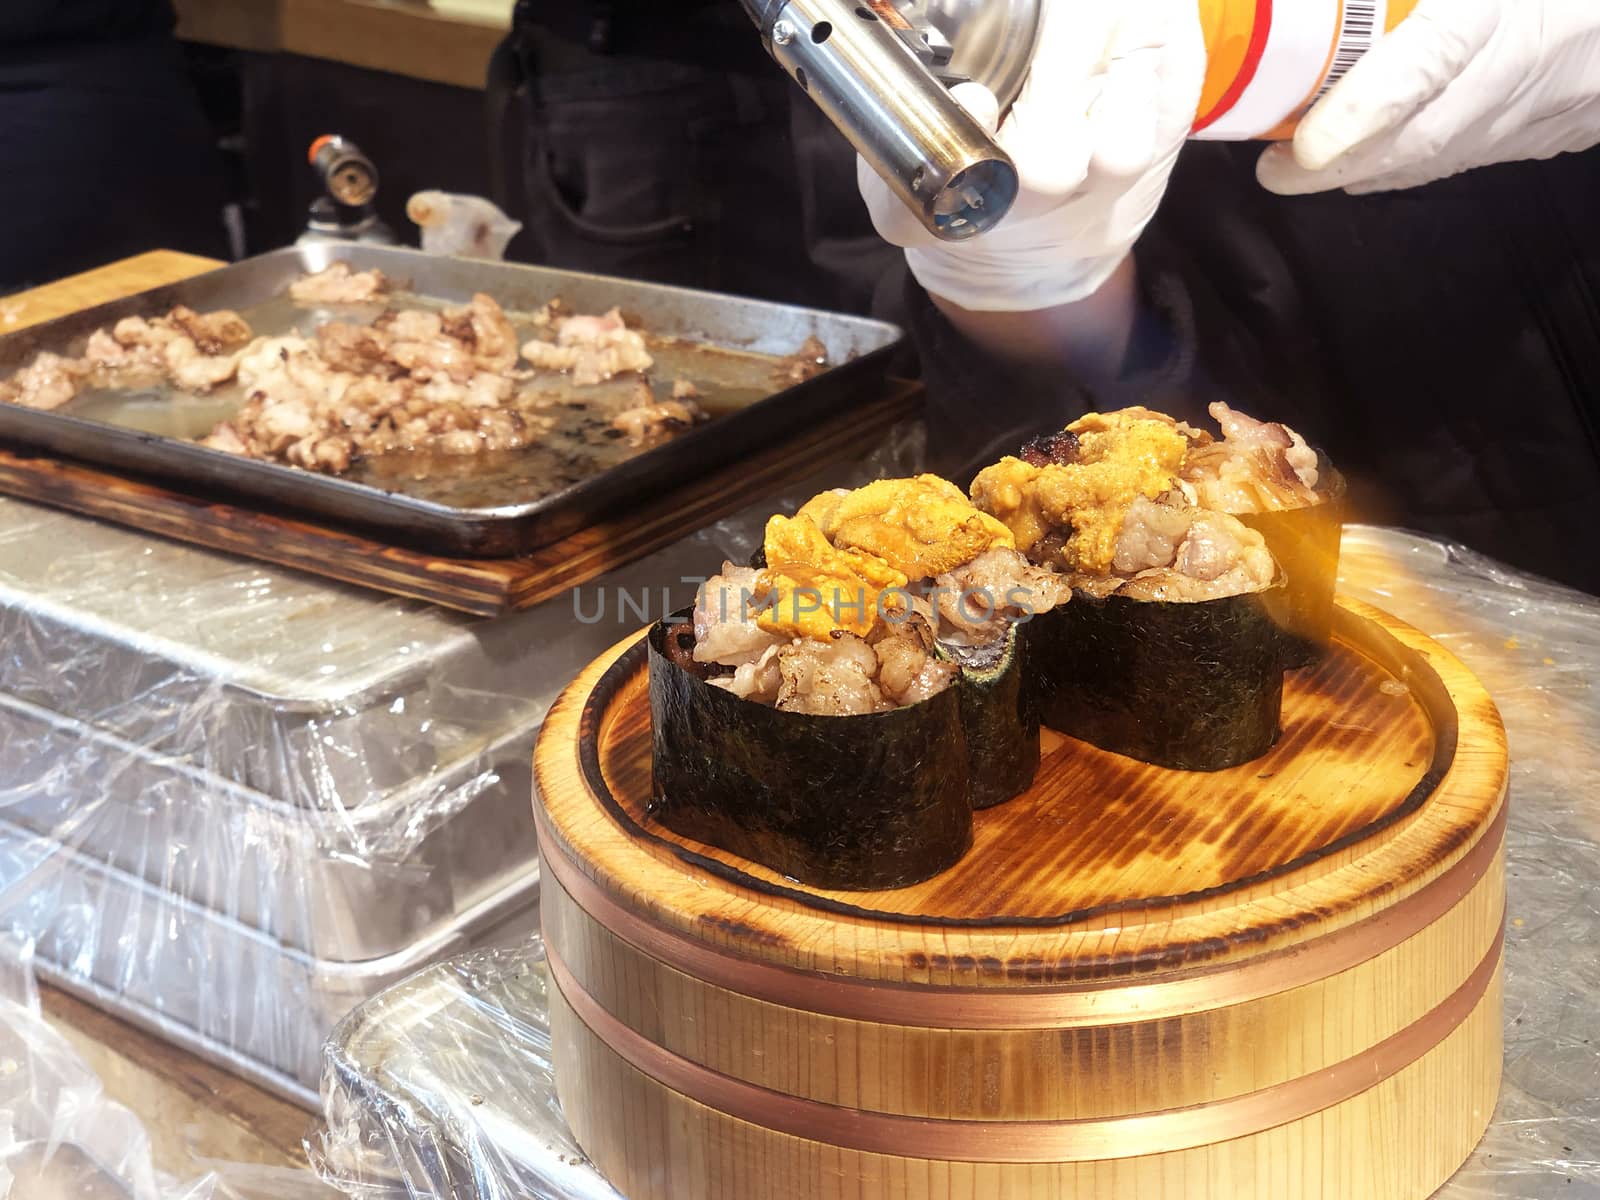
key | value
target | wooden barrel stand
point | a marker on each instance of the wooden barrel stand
(1280, 981)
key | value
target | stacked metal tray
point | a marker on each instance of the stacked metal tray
(220, 987)
(335, 890)
(235, 801)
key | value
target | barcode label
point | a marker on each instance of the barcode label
(1358, 33)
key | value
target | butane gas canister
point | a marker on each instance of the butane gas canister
(1269, 62)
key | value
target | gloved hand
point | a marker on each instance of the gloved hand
(1109, 99)
(1458, 84)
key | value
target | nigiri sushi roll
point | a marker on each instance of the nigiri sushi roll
(838, 712)
(1265, 474)
(1167, 651)
(977, 594)
(840, 787)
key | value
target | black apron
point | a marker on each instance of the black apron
(37, 22)
(105, 150)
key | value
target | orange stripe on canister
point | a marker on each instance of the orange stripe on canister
(1399, 10)
(1226, 25)
(1223, 39)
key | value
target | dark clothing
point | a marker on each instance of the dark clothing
(30, 22)
(106, 153)
(663, 144)
(1443, 345)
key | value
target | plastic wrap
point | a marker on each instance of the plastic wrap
(1536, 647)
(62, 1138)
(236, 800)
(442, 1086)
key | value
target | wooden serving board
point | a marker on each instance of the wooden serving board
(1280, 980)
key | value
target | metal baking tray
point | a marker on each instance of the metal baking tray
(444, 1081)
(310, 880)
(515, 502)
(222, 990)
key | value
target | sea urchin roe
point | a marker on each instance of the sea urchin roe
(811, 588)
(1134, 439)
(1008, 491)
(1121, 456)
(921, 527)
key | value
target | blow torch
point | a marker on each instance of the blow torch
(881, 71)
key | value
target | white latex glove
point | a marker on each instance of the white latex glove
(1109, 99)
(1458, 84)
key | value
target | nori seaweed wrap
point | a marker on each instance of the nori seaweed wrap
(999, 716)
(838, 708)
(1201, 569)
(1191, 685)
(1268, 477)
(877, 800)
(1305, 543)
